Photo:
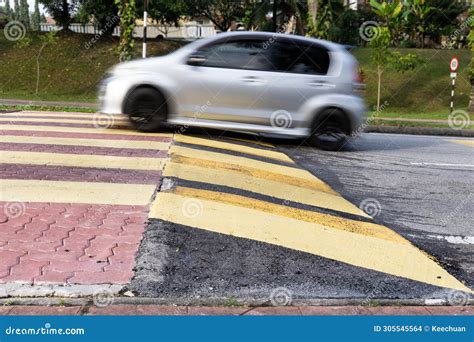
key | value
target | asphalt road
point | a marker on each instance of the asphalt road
(421, 187)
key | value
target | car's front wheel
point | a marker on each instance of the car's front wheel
(146, 109)
(329, 131)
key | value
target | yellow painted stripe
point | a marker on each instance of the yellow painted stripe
(75, 192)
(38, 128)
(91, 116)
(241, 162)
(364, 228)
(355, 249)
(319, 194)
(469, 143)
(81, 160)
(314, 183)
(135, 144)
(56, 120)
(233, 147)
(250, 141)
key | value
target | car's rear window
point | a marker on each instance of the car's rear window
(291, 56)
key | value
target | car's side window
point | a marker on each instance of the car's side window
(238, 54)
(300, 58)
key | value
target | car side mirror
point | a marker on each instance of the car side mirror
(196, 59)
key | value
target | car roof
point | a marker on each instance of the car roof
(264, 35)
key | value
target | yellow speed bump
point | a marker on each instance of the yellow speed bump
(318, 194)
(233, 147)
(135, 144)
(240, 161)
(81, 160)
(391, 257)
(336, 222)
(75, 192)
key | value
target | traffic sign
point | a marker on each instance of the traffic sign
(454, 64)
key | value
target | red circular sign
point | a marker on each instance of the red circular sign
(454, 64)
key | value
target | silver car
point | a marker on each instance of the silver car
(244, 81)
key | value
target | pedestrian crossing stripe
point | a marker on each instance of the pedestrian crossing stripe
(45, 128)
(21, 190)
(133, 144)
(110, 122)
(81, 160)
(311, 237)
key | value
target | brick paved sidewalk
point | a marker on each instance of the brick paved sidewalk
(160, 310)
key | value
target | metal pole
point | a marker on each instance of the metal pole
(145, 19)
(452, 92)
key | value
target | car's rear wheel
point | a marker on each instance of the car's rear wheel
(329, 131)
(146, 109)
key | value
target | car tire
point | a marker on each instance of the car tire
(146, 108)
(329, 131)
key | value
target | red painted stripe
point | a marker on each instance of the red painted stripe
(118, 136)
(78, 174)
(105, 151)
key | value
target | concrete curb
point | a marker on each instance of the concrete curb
(211, 302)
(448, 132)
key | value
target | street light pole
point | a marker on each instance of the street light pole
(145, 20)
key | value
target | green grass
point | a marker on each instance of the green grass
(46, 108)
(427, 89)
(70, 72)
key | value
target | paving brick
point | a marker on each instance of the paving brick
(214, 311)
(25, 271)
(110, 277)
(138, 310)
(266, 311)
(45, 310)
(53, 277)
(74, 266)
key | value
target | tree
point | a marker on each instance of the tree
(383, 58)
(61, 10)
(24, 15)
(391, 14)
(8, 10)
(417, 12)
(36, 18)
(167, 12)
(220, 12)
(104, 13)
(127, 10)
(328, 13)
(16, 10)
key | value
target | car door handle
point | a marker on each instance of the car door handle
(252, 79)
(320, 84)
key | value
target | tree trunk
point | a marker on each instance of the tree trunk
(471, 103)
(379, 86)
(274, 16)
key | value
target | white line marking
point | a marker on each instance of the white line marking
(442, 164)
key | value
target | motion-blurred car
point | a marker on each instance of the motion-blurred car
(244, 81)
